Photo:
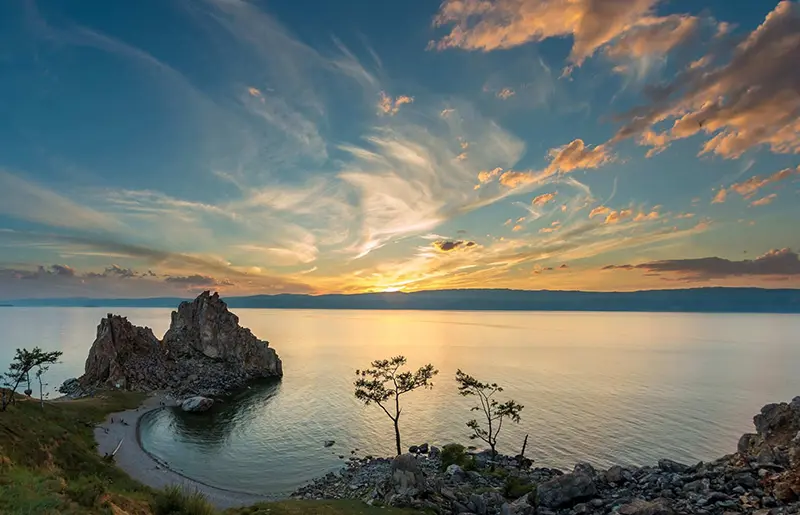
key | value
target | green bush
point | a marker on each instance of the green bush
(454, 454)
(174, 500)
(516, 487)
(86, 490)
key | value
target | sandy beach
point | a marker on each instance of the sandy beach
(144, 468)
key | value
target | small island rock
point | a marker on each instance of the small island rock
(197, 404)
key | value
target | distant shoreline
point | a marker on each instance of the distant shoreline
(693, 300)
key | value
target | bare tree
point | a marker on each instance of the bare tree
(24, 361)
(384, 382)
(494, 411)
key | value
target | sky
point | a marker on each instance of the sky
(164, 147)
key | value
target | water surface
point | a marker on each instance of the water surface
(608, 388)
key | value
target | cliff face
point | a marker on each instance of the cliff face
(205, 351)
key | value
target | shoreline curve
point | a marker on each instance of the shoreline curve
(149, 470)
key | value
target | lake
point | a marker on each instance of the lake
(607, 388)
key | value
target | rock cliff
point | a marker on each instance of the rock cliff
(205, 351)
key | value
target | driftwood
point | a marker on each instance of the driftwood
(110, 457)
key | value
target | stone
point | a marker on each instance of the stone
(197, 404)
(615, 475)
(478, 504)
(582, 509)
(584, 468)
(205, 351)
(435, 452)
(329, 443)
(413, 449)
(672, 466)
(456, 472)
(406, 475)
(565, 491)
(642, 507)
(783, 492)
(423, 449)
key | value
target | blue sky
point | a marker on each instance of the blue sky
(165, 147)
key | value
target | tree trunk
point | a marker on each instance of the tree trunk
(397, 435)
(41, 391)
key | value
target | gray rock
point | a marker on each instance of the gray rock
(434, 452)
(642, 507)
(197, 404)
(406, 475)
(584, 468)
(423, 449)
(456, 472)
(478, 503)
(615, 475)
(413, 449)
(329, 443)
(565, 491)
(672, 466)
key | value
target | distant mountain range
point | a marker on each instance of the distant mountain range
(701, 300)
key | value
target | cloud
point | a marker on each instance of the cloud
(196, 281)
(553, 228)
(64, 270)
(749, 101)
(563, 266)
(653, 36)
(616, 216)
(765, 200)
(577, 155)
(450, 245)
(642, 216)
(517, 228)
(776, 262)
(720, 197)
(446, 112)
(543, 199)
(505, 93)
(386, 105)
(254, 92)
(684, 216)
(120, 272)
(25, 200)
(485, 176)
(751, 186)
(502, 24)
(599, 210)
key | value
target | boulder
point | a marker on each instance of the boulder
(197, 404)
(564, 491)
(423, 449)
(615, 474)
(672, 466)
(456, 472)
(641, 507)
(406, 476)
(205, 351)
(329, 443)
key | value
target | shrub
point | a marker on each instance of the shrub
(515, 487)
(86, 490)
(174, 500)
(454, 454)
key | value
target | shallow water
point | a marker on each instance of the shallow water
(607, 388)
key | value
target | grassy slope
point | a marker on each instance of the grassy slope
(49, 466)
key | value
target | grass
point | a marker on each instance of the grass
(49, 465)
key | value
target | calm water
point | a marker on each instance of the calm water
(601, 387)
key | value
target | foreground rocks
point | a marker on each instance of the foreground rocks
(204, 352)
(761, 478)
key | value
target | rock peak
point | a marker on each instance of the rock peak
(205, 351)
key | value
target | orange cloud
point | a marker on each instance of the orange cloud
(685, 215)
(577, 155)
(751, 100)
(641, 217)
(599, 210)
(654, 36)
(720, 197)
(764, 201)
(388, 106)
(751, 186)
(505, 93)
(254, 92)
(543, 199)
(485, 176)
(502, 24)
(517, 228)
(616, 216)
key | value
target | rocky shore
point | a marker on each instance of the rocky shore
(205, 352)
(762, 477)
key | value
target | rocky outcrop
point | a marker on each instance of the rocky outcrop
(197, 403)
(763, 478)
(205, 351)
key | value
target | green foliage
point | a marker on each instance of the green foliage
(454, 454)
(24, 492)
(24, 361)
(86, 491)
(515, 487)
(494, 411)
(384, 382)
(174, 500)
